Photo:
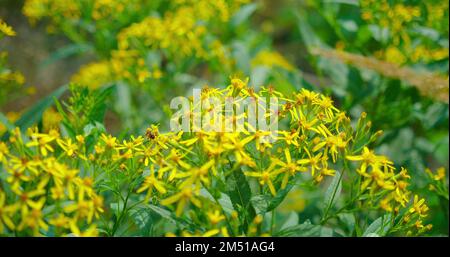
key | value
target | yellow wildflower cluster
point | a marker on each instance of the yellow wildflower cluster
(438, 182)
(41, 195)
(400, 19)
(190, 172)
(181, 32)
(60, 12)
(38, 9)
(95, 74)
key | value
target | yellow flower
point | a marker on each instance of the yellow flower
(312, 161)
(42, 141)
(238, 147)
(272, 59)
(109, 140)
(60, 221)
(151, 182)
(69, 148)
(197, 175)
(419, 207)
(440, 174)
(187, 194)
(6, 212)
(367, 157)
(51, 119)
(6, 30)
(89, 232)
(290, 168)
(33, 218)
(265, 177)
(215, 217)
(82, 208)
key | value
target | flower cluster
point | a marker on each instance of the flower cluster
(181, 31)
(400, 20)
(39, 194)
(193, 173)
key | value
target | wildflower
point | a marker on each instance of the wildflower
(197, 175)
(82, 208)
(367, 157)
(186, 195)
(68, 147)
(89, 232)
(4, 151)
(215, 217)
(265, 177)
(33, 218)
(312, 161)
(151, 182)
(440, 174)
(60, 221)
(109, 140)
(5, 29)
(419, 207)
(289, 167)
(238, 147)
(272, 59)
(42, 141)
(6, 212)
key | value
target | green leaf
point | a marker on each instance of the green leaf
(243, 14)
(165, 214)
(240, 195)
(224, 200)
(305, 229)
(380, 226)
(348, 219)
(98, 111)
(333, 191)
(309, 37)
(291, 220)
(260, 203)
(349, 2)
(279, 197)
(65, 52)
(326, 232)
